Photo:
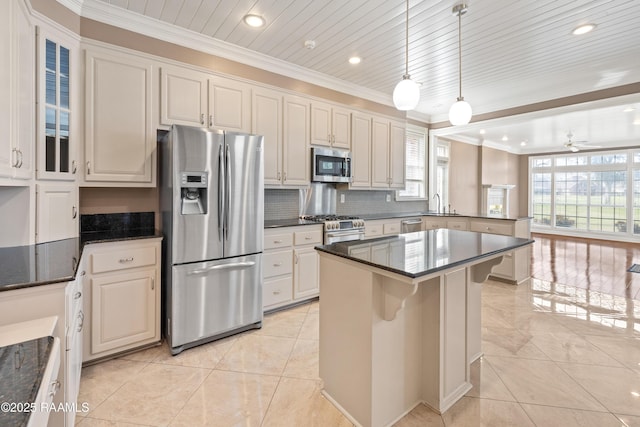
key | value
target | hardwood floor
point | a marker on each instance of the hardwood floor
(594, 265)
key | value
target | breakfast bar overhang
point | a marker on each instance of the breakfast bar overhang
(400, 320)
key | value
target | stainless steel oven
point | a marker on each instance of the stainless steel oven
(339, 228)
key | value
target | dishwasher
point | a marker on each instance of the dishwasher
(411, 224)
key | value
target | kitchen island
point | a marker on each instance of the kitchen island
(400, 319)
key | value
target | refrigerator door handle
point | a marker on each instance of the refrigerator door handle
(227, 191)
(221, 188)
(222, 267)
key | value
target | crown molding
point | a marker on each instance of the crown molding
(121, 18)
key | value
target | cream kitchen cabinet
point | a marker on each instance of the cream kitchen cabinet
(266, 120)
(58, 100)
(17, 93)
(433, 222)
(330, 125)
(516, 266)
(121, 291)
(387, 154)
(381, 227)
(284, 122)
(194, 98)
(290, 265)
(360, 150)
(57, 214)
(120, 137)
(296, 152)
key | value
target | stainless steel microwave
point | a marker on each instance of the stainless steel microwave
(328, 165)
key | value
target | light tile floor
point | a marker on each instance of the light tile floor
(554, 355)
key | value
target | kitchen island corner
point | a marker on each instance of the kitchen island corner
(400, 319)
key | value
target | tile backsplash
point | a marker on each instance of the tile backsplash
(284, 204)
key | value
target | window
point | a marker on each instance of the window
(416, 166)
(595, 192)
(442, 172)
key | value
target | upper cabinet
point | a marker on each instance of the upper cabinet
(183, 95)
(387, 149)
(360, 150)
(193, 98)
(266, 120)
(296, 153)
(330, 125)
(17, 94)
(57, 80)
(120, 138)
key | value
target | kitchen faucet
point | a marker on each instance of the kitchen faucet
(438, 196)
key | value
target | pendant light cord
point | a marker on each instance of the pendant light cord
(406, 52)
(460, 53)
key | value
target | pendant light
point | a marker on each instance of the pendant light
(407, 92)
(460, 112)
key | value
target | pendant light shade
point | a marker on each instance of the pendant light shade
(406, 94)
(460, 112)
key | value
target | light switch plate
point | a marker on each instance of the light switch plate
(388, 197)
(342, 198)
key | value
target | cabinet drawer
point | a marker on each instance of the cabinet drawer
(122, 259)
(373, 230)
(492, 227)
(391, 228)
(276, 291)
(457, 225)
(434, 225)
(277, 263)
(307, 237)
(274, 241)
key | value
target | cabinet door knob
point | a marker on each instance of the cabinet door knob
(278, 176)
(20, 155)
(202, 118)
(285, 176)
(74, 212)
(74, 168)
(88, 168)
(210, 120)
(153, 283)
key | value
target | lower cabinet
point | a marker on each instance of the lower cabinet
(380, 227)
(56, 211)
(121, 296)
(290, 265)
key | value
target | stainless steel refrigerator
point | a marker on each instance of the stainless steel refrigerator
(211, 201)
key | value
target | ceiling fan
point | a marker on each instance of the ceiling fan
(575, 146)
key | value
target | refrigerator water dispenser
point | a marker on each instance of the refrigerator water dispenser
(193, 193)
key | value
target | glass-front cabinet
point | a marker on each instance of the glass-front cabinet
(56, 144)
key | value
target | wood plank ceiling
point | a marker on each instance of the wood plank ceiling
(514, 53)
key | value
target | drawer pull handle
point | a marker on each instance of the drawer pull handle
(153, 284)
(277, 264)
(277, 241)
(276, 292)
(308, 238)
(125, 260)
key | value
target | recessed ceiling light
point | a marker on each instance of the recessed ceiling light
(505, 138)
(583, 29)
(482, 131)
(310, 44)
(523, 143)
(628, 110)
(354, 60)
(255, 21)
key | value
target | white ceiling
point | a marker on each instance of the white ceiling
(514, 53)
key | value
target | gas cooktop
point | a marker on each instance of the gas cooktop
(325, 218)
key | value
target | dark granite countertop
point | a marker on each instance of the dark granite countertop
(424, 252)
(57, 261)
(447, 215)
(22, 368)
(275, 223)
(371, 217)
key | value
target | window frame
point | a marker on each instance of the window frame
(423, 134)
